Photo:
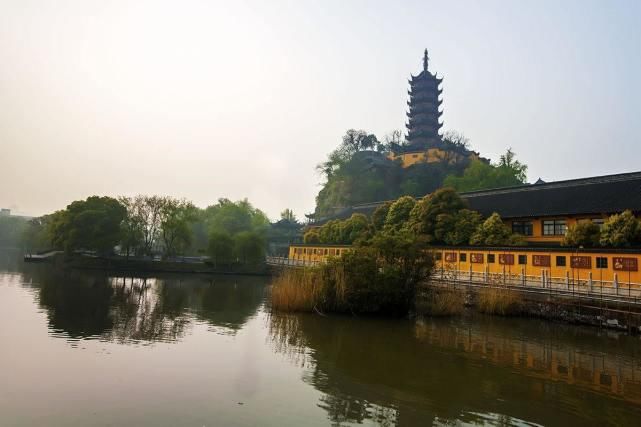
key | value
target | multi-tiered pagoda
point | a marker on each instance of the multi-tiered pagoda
(424, 125)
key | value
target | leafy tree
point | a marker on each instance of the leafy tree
(621, 230)
(220, 247)
(424, 218)
(132, 227)
(93, 224)
(311, 236)
(36, 235)
(249, 247)
(458, 228)
(12, 229)
(176, 219)
(492, 232)
(288, 215)
(399, 212)
(379, 216)
(355, 228)
(480, 175)
(585, 234)
(143, 222)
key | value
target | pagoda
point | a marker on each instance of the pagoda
(424, 125)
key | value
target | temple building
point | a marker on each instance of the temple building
(424, 142)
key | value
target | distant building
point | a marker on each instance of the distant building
(5, 212)
(424, 143)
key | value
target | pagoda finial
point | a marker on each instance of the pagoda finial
(426, 58)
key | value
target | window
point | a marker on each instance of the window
(601, 262)
(490, 258)
(463, 257)
(560, 261)
(438, 256)
(326, 251)
(415, 156)
(523, 228)
(555, 227)
(522, 259)
(598, 221)
(304, 251)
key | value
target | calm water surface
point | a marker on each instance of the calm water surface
(86, 348)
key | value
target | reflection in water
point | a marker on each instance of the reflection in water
(125, 309)
(478, 370)
(286, 369)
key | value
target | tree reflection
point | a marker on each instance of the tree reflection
(442, 371)
(133, 309)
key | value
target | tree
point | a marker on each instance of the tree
(220, 247)
(480, 175)
(399, 212)
(457, 229)
(311, 236)
(175, 225)
(379, 215)
(144, 221)
(492, 232)
(92, 224)
(424, 218)
(132, 234)
(249, 247)
(288, 215)
(355, 228)
(585, 234)
(621, 230)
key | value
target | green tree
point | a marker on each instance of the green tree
(92, 224)
(355, 228)
(424, 217)
(458, 228)
(288, 215)
(621, 230)
(481, 175)
(220, 247)
(492, 232)
(311, 236)
(585, 234)
(399, 212)
(380, 215)
(249, 247)
(176, 219)
(12, 230)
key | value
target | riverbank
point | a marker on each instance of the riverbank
(595, 312)
(141, 265)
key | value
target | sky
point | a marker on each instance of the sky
(242, 99)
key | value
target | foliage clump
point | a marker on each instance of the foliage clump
(586, 234)
(621, 230)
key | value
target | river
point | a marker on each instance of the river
(89, 348)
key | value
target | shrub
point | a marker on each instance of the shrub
(621, 230)
(376, 279)
(585, 234)
(492, 232)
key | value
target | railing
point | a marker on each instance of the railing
(616, 290)
(290, 262)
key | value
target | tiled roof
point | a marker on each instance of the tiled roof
(595, 195)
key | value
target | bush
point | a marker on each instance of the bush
(377, 279)
(585, 234)
(621, 230)
(492, 232)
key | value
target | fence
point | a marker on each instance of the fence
(616, 290)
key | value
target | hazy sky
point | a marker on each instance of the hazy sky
(205, 99)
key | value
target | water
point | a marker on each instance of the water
(85, 348)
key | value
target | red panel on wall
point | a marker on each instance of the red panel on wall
(506, 259)
(625, 264)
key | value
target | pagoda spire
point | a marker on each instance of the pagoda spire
(426, 59)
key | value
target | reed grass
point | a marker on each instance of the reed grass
(296, 290)
(442, 303)
(499, 300)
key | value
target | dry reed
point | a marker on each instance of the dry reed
(442, 302)
(296, 290)
(499, 300)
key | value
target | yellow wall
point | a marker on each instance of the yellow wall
(537, 227)
(431, 155)
(318, 253)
